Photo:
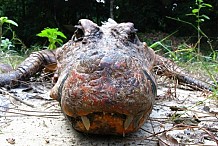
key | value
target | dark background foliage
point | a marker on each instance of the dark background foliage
(147, 15)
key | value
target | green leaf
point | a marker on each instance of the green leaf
(61, 34)
(195, 11)
(207, 5)
(205, 16)
(199, 1)
(42, 34)
(52, 35)
(200, 20)
(6, 20)
(11, 22)
(190, 14)
(3, 19)
(59, 41)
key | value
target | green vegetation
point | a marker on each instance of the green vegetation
(6, 43)
(185, 55)
(196, 12)
(52, 35)
(199, 19)
(7, 53)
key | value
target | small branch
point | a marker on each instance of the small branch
(34, 111)
(0, 34)
(29, 114)
(189, 23)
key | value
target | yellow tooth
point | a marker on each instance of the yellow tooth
(86, 122)
(128, 121)
(137, 120)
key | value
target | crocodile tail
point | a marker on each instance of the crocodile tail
(167, 68)
(34, 63)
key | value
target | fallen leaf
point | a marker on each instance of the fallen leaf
(11, 140)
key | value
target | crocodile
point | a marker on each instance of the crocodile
(105, 77)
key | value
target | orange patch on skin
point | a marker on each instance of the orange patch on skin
(50, 67)
(75, 78)
(66, 110)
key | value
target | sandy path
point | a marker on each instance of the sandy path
(45, 125)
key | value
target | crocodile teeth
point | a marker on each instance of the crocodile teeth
(128, 121)
(86, 122)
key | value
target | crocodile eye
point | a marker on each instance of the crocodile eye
(132, 37)
(78, 34)
(85, 29)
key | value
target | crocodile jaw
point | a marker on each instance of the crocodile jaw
(105, 109)
(108, 123)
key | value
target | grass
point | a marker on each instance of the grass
(11, 58)
(201, 66)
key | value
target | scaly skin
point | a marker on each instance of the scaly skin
(106, 83)
(34, 63)
(105, 78)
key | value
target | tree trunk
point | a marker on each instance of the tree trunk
(0, 35)
(112, 9)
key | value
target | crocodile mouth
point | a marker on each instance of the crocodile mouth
(107, 123)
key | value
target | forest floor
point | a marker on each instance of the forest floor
(179, 116)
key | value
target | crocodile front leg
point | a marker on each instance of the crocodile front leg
(31, 65)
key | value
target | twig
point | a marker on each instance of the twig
(175, 127)
(27, 114)
(34, 111)
(16, 98)
(15, 116)
(205, 130)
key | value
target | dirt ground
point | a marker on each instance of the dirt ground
(179, 117)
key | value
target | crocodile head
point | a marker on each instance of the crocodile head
(105, 84)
